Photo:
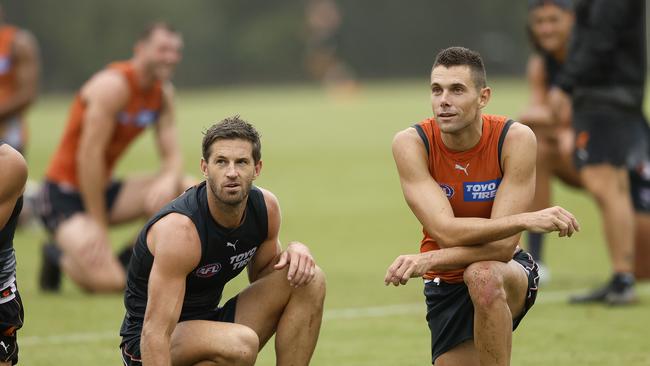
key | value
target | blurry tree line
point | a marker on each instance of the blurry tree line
(251, 41)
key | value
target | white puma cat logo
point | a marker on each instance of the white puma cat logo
(463, 168)
(233, 245)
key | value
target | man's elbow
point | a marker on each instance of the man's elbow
(503, 251)
(445, 239)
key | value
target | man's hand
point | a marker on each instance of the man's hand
(302, 267)
(97, 248)
(163, 191)
(407, 266)
(551, 219)
(560, 103)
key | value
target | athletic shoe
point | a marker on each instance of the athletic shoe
(618, 291)
(50, 277)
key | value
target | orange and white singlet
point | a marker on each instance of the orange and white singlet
(470, 178)
(143, 109)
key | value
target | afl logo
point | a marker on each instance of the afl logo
(449, 192)
(208, 270)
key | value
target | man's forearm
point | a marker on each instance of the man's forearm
(92, 184)
(155, 350)
(468, 231)
(447, 259)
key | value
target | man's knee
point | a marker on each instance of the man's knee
(485, 283)
(317, 286)
(243, 350)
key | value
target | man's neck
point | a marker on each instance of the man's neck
(228, 216)
(464, 139)
(144, 78)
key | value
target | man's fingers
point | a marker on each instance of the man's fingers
(407, 275)
(560, 226)
(293, 267)
(299, 277)
(281, 262)
(391, 270)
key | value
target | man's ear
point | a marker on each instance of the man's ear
(258, 169)
(204, 168)
(484, 97)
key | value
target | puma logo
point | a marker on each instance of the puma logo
(463, 168)
(5, 347)
(233, 245)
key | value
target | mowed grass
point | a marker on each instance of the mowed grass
(329, 161)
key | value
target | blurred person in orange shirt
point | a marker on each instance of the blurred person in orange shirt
(80, 198)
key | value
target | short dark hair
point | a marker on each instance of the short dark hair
(153, 26)
(231, 128)
(564, 4)
(461, 56)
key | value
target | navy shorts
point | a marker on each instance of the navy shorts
(57, 203)
(609, 135)
(450, 312)
(11, 319)
(130, 346)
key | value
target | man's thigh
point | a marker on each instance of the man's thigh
(130, 203)
(261, 304)
(197, 341)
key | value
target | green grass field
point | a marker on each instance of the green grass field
(329, 163)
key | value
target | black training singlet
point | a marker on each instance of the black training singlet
(224, 254)
(7, 253)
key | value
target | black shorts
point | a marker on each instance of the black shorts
(11, 319)
(130, 348)
(57, 203)
(609, 135)
(450, 312)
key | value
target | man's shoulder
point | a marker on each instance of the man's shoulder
(519, 131)
(107, 84)
(14, 171)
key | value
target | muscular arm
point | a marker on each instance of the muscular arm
(270, 257)
(167, 135)
(14, 176)
(168, 183)
(538, 112)
(431, 206)
(104, 95)
(176, 247)
(26, 59)
(268, 253)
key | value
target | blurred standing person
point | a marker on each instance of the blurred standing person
(19, 75)
(323, 62)
(549, 28)
(14, 170)
(80, 198)
(549, 25)
(604, 75)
